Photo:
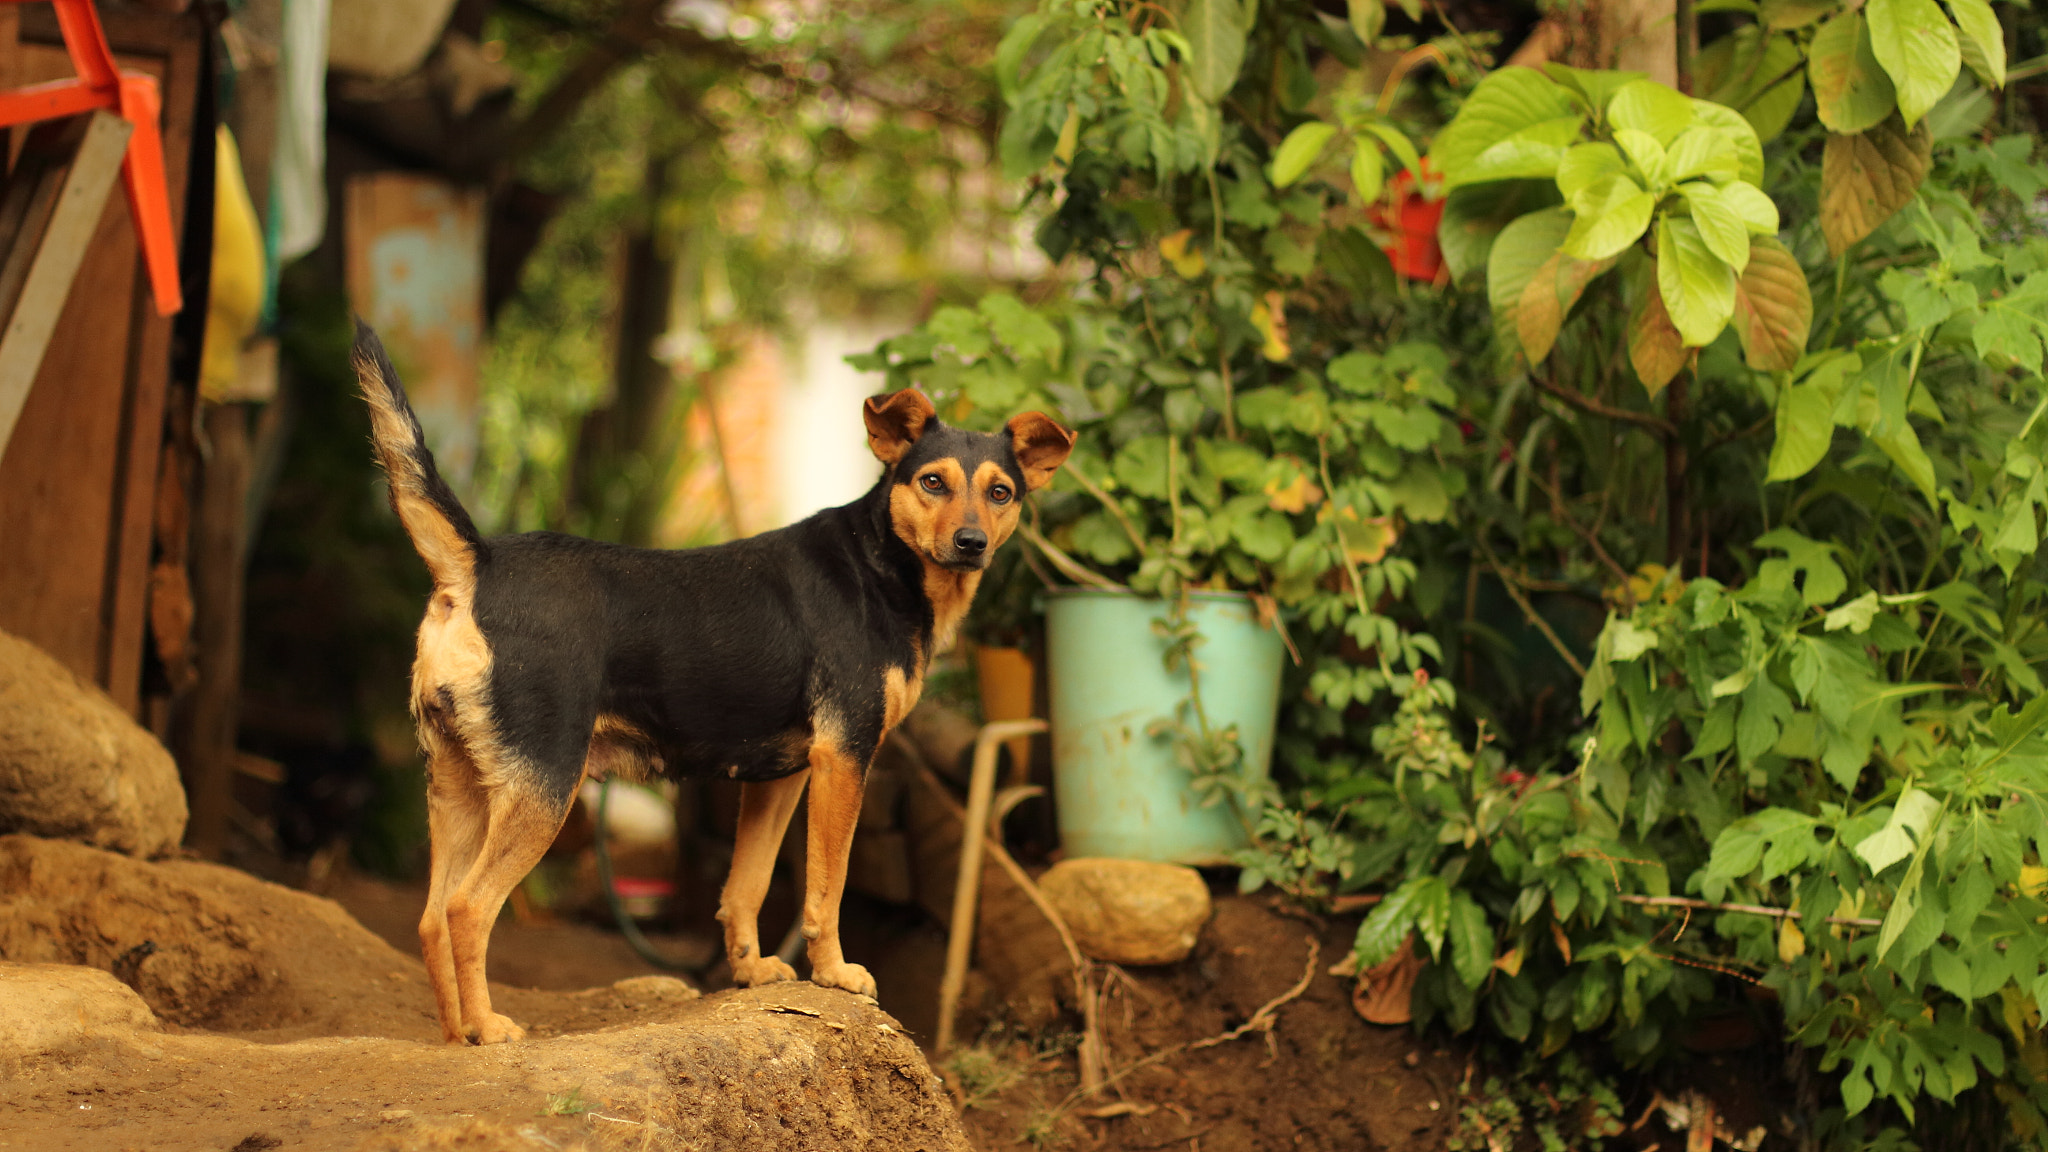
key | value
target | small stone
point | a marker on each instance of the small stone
(1129, 911)
(396, 1114)
(49, 1007)
(641, 989)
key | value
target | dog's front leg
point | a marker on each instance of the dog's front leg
(765, 809)
(837, 782)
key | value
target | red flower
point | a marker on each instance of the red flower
(1407, 220)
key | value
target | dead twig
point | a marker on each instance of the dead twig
(1750, 909)
(1069, 567)
(1262, 1020)
(1529, 610)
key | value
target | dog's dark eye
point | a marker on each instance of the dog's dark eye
(932, 483)
(1000, 494)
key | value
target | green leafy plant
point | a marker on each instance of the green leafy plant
(1739, 451)
(1659, 185)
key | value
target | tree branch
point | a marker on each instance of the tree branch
(1586, 404)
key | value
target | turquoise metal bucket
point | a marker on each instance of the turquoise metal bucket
(1120, 792)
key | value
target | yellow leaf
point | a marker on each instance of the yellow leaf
(1070, 135)
(1564, 942)
(1297, 495)
(1366, 540)
(2033, 878)
(1791, 941)
(1511, 963)
(1269, 316)
(1644, 585)
(1189, 262)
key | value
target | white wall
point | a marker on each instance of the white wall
(821, 450)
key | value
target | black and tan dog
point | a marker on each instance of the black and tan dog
(778, 659)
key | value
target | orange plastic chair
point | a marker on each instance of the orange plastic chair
(133, 95)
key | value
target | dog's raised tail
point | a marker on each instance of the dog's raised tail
(441, 529)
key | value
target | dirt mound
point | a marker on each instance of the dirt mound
(1320, 1079)
(289, 1022)
(794, 1066)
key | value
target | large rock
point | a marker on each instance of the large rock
(1129, 911)
(73, 766)
(49, 1007)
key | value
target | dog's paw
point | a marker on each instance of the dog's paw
(758, 970)
(498, 1029)
(851, 977)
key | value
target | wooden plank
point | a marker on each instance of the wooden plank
(179, 72)
(77, 487)
(62, 212)
(58, 478)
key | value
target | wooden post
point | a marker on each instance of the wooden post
(205, 731)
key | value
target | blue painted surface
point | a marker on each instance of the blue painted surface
(1120, 792)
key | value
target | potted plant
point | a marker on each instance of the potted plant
(1239, 480)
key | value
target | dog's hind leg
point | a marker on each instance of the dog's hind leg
(765, 809)
(458, 812)
(524, 819)
(837, 783)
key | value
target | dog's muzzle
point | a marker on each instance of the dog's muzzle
(969, 551)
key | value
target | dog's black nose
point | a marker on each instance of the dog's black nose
(971, 541)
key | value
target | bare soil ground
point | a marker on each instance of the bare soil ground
(285, 1023)
(1321, 1078)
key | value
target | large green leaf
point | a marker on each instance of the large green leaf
(1806, 420)
(1387, 928)
(1773, 308)
(1585, 164)
(1866, 177)
(1506, 102)
(1518, 252)
(1471, 941)
(1655, 349)
(1399, 144)
(1704, 151)
(1475, 214)
(1368, 171)
(1719, 224)
(1534, 151)
(1010, 53)
(1849, 86)
(1770, 112)
(1756, 210)
(1215, 31)
(1548, 298)
(1608, 217)
(1902, 444)
(1649, 107)
(1368, 17)
(1299, 150)
(1749, 150)
(1356, 263)
(1697, 287)
(1917, 46)
(1782, 15)
(1982, 32)
(1595, 87)
(1757, 74)
(1646, 153)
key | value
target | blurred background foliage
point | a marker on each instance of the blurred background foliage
(787, 161)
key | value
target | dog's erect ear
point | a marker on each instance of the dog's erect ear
(1041, 446)
(895, 422)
